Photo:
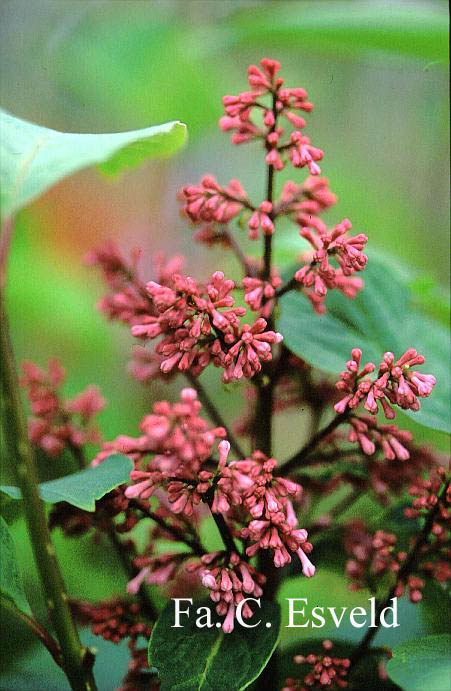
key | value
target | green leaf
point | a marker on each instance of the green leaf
(422, 663)
(431, 298)
(34, 158)
(338, 28)
(83, 488)
(206, 659)
(10, 581)
(380, 319)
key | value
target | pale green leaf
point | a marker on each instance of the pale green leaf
(84, 488)
(33, 158)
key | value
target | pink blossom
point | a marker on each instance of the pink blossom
(87, 403)
(179, 441)
(259, 294)
(127, 300)
(302, 153)
(229, 579)
(251, 347)
(58, 423)
(304, 203)
(261, 219)
(396, 384)
(208, 201)
(319, 274)
(239, 112)
(370, 435)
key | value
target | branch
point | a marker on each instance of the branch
(234, 245)
(74, 656)
(269, 198)
(402, 574)
(292, 284)
(298, 458)
(193, 543)
(35, 627)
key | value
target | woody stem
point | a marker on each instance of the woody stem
(263, 432)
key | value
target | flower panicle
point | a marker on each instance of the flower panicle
(283, 102)
(396, 384)
(230, 580)
(56, 422)
(327, 670)
(199, 325)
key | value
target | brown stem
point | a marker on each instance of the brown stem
(193, 543)
(290, 285)
(235, 246)
(263, 432)
(35, 627)
(301, 455)
(402, 574)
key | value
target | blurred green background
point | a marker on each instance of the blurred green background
(377, 73)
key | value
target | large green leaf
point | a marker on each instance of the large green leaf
(34, 158)
(342, 29)
(83, 488)
(10, 581)
(203, 659)
(422, 663)
(380, 319)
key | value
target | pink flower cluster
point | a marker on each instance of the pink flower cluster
(259, 294)
(396, 384)
(209, 202)
(128, 301)
(238, 111)
(394, 476)
(304, 203)
(57, 423)
(366, 431)
(229, 581)
(426, 491)
(199, 325)
(114, 620)
(154, 570)
(180, 439)
(318, 275)
(253, 484)
(326, 671)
